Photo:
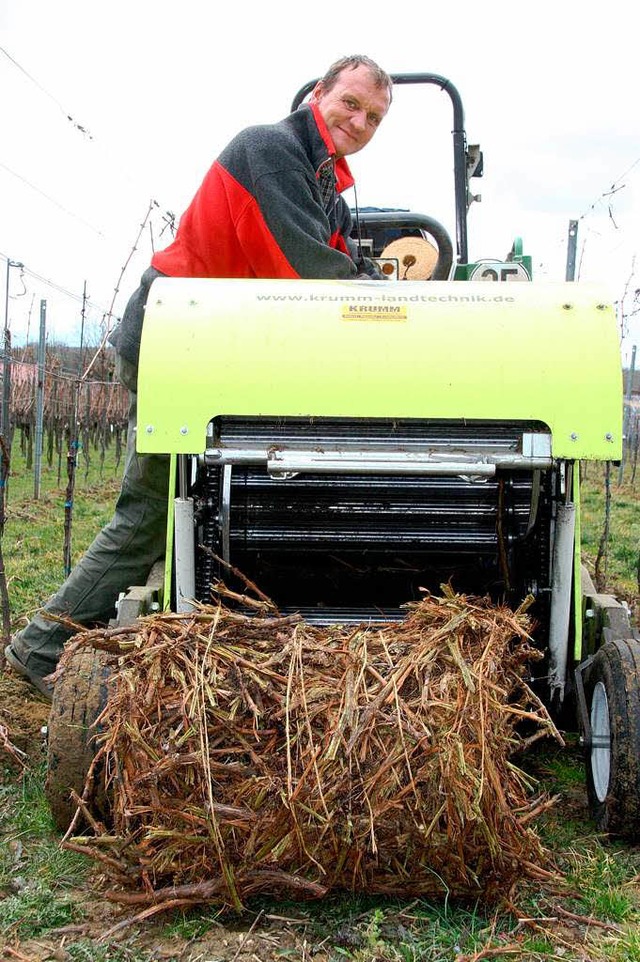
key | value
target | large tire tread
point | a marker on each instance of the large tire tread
(78, 699)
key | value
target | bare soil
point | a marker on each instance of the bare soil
(24, 713)
(269, 940)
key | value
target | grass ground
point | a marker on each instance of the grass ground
(47, 909)
(621, 563)
(34, 537)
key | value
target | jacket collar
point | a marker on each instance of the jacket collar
(322, 146)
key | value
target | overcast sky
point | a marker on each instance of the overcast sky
(109, 107)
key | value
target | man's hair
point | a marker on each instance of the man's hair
(380, 77)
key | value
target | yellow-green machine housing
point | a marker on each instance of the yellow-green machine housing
(363, 351)
(546, 352)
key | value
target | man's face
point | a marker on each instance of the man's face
(352, 109)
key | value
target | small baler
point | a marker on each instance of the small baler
(346, 443)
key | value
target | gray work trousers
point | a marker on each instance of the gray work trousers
(120, 556)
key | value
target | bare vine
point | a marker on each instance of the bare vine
(109, 314)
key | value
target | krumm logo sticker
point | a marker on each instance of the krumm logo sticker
(374, 312)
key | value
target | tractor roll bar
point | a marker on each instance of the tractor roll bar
(401, 219)
(459, 145)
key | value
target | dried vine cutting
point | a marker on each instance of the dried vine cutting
(253, 754)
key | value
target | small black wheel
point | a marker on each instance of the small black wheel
(613, 759)
(79, 696)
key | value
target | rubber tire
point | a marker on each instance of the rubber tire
(616, 810)
(79, 697)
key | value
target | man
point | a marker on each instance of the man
(270, 206)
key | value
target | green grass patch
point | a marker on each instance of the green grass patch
(33, 543)
(363, 929)
(36, 874)
(561, 768)
(623, 547)
(193, 924)
(86, 950)
(95, 466)
(600, 874)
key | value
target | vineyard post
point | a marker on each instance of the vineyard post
(5, 606)
(6, 363)
(72, 455)
(626, 449)
(37, 470)
(572, 245)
